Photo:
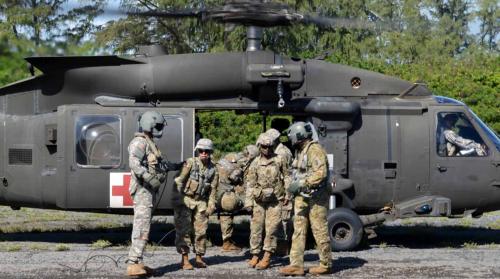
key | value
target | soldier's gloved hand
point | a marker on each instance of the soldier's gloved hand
(295, 187)
(152, 180)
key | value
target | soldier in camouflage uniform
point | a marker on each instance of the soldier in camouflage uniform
(266, 180)
(311, 200)
(455, 144)
(284, 235)
(197, 187)
(144, 158)
(231, 192)
(229, 197)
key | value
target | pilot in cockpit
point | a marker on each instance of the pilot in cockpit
(457, 145)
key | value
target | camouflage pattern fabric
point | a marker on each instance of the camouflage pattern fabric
(455, 140)
(266, 182)
(266, 179)
(226, 226)
(140, 148)
(311, 166)
(286, 209)
(284, 152)
(266, 218)
(191, 219)
(230, 178)
(194, 203)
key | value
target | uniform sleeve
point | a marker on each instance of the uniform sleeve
(213, 190)
(285, 168)
(180, 181)
(251, 180)
(137, 151)
(317, 166)
(457, 140)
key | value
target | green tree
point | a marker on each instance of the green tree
(489, 17)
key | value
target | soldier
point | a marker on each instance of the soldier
(457, 145)
(311, 200)
(278, 125)
(284, 234)
(266, 180)
(144, 158)
(197, 186)
(231, 191)
(229, 197)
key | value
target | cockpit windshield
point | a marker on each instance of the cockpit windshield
(491, 135)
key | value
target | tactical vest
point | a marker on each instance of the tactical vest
(299, 166)
(270, 181)
(152, 155)
(199, 182)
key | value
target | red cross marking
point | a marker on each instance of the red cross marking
(122, 190)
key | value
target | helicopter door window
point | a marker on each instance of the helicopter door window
(98, 141)
(456, 137)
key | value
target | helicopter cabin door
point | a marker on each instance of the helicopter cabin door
(461, 159)
(95, 160)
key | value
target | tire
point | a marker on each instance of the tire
(345, 229)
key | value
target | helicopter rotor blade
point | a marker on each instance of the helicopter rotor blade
(183, 13)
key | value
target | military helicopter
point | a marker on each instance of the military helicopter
(65, 132)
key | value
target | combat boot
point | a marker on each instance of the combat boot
(185, 264)
(253, 262)
(199, 263)
(136, 270)
(148, 269)
(228, 246)
(292, 270)
(264, 262)
(319, 270)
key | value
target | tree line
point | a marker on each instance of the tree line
(452, 46)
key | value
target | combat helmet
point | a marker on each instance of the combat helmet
(299, 131)
(229, 202)
(205, 144)
(152, 122)
(274, 134)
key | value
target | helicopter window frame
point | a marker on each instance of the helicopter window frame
(114, 124)
(467, 124)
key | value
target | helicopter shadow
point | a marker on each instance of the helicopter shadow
(424, 236)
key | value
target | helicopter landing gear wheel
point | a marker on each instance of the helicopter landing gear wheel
(345, 229)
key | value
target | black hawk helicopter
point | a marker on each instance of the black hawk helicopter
(65, 132)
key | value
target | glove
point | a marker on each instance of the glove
(152, 181)
(295, 187)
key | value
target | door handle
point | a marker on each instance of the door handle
(441, 168)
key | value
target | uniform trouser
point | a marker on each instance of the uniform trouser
(143, 205)
(285, 233)
(226, 226)
(190, 218)
(314, 211)
(266, 218)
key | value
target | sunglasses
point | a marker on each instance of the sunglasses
(265, 146)
(203, 151)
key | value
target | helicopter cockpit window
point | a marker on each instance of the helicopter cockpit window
(98, 141)
(457, 137)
